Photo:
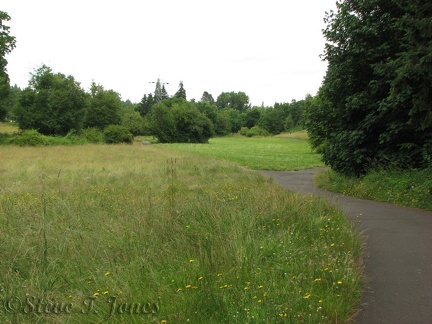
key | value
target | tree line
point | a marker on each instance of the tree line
(56, 104)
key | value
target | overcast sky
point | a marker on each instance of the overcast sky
(267, 49)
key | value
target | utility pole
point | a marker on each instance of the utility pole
(160, 92)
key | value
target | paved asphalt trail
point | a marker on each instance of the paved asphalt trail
(398, 260)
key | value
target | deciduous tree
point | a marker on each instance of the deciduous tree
(103, 108)
(7, 44)
(234, 100)
(207, 97)
(53, 103)
(374, 106)
(177, 120)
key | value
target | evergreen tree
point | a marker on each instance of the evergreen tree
(146, 104)
(164, 93)
(181, 93)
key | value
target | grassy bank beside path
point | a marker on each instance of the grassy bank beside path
(411, 188)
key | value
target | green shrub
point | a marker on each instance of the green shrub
(5, 138)
(117, 134)
(244, 131)
(250, 134)
(93, 135)
(30, 138)
(259, 131)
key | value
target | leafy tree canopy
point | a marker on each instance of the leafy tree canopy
(53, 103)
(7, 44)
(234, 100)
(374, 107)
(103, 108)
(177, 120)
(207, 97)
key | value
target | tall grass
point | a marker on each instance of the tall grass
(411, 188)
(102, 231)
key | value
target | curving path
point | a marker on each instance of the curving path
(398, 260)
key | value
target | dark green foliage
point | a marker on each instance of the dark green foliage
(374, 106)
(146, 104)
(282, 117)
(127, 107)
(207, 97)
(252, 116)
(178, 121)
(6, 138)
(223, 125)
(234, 100)
(272, 120)
(53, 103)
(114, 134)
(220, 118)
(181, 93)
(235, 118)
(11, 101)
(103, 108)
(30, 137)
(135, 123)
(7, 44)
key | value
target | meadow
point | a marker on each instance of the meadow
(145, 233)
(288, 152)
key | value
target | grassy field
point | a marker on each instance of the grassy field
(93, 233)
(289, 152)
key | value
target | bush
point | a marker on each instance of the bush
(259, 131)
(117, 134)
(244, 131)
(93, 135)
(30, 138)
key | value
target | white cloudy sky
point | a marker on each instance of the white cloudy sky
(267, 49)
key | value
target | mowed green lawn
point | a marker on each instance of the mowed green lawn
(258, 153)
